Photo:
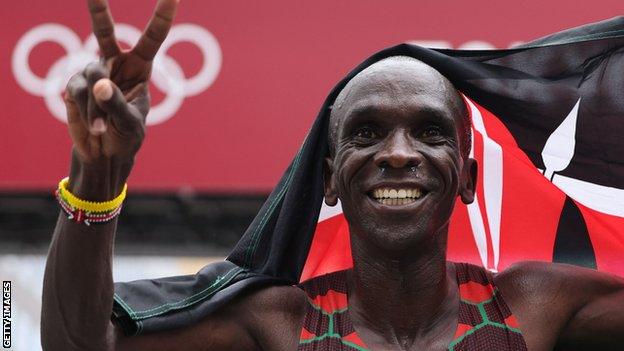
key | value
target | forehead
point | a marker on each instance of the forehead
(407, 87)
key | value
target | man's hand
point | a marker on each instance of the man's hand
(108, 101)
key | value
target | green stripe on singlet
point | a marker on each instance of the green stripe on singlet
(485, 322)
(330, 333)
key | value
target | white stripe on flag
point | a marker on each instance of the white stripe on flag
(492, 183)
(329, 211)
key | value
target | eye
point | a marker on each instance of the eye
(366, 133)
(431, 132)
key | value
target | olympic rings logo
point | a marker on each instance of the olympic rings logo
(167, 75)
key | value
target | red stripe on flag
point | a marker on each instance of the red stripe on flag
(330, 250)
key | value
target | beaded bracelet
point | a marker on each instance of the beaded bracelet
(87, 212)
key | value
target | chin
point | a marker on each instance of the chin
(393, 238)
(398, 229)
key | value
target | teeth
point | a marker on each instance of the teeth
(396, 202)
(388, 196)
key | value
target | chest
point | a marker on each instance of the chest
(484, 322)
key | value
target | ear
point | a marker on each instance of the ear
(468, 182)
(331, 197)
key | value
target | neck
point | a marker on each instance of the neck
(403, 296)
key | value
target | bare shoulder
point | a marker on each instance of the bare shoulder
(278, 294)
(286, 300)
(538, 280)
(532, 289)
(546, 296)
(274, 315)
(532, 278)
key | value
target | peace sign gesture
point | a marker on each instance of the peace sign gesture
(134, 66)
(108, 101)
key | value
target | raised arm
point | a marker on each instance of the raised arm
(106, 108)
(107, 104)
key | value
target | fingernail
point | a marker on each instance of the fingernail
(98, 126)
(103, 89)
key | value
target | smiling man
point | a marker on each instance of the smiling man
(398, 159)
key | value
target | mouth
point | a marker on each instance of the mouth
(391, 196)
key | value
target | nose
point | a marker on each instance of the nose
(398, 152)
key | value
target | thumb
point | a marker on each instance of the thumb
(108, 97)
(111, 100)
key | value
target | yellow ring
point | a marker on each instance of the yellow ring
(90, 206)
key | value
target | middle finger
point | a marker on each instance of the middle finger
(156, 30)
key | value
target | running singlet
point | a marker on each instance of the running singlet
(485, 321)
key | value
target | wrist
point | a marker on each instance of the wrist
(101, 180)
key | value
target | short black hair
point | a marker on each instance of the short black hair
(456, 96)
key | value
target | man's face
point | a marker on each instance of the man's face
(397, 166)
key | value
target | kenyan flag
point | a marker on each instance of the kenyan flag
(548, 126)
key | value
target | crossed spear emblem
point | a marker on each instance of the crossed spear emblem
(556, 155)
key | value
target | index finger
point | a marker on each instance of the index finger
(103, 27)
(156, 30)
